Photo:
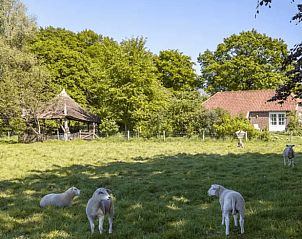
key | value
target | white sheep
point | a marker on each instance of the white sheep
(98, 206)
(230, 202)
(60, 199)
(289, 155)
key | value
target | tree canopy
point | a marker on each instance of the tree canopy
(176, 71)
(23, 82)
(294, 60)
(246, 61)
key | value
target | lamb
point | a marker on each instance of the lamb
(289, 154)
(98, 206)
(60, 199)
(230, 202)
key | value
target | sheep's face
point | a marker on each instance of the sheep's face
(75, 191)
(102, 194)
(213, 190)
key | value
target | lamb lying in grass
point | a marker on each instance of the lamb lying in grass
(98, 206)
(230, 202)
(289, 155)
(60, 199)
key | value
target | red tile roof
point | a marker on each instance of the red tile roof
(242, 102)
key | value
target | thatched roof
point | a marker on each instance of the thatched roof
(63, 106)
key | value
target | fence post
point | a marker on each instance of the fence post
(164, 135)
(246, 136)
(203, 136)
(128, 135)
(8, 134)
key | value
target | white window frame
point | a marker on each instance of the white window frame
(279, 122)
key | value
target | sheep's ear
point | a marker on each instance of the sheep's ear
(108, 190)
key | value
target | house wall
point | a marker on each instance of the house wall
(260, 118)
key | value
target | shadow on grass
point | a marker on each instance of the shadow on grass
(160, 197)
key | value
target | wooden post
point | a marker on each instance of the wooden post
(80, 133)
(203, 136)
(164, 135)
(93, 130)
(8, 134)
(128, 135)
(245, 135)
(58, 134)
(66, 130)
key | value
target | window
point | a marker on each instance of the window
(281, 119)
(273, 119)
(277, 121)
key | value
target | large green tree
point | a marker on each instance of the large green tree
(293, 61)
(23, 82)
(176, 71)
(246, 61)
(62, 52)
(16, 27)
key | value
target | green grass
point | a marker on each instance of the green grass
(160, 188)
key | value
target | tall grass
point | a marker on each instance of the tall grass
(160, 188)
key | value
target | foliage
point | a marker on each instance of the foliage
(265, 135)
(293, 84)
(246, 61)
(294, 125)
(23, 82)
(115, 80)
(229, 125)
(176, 71)
(108, 126)
(16, 27)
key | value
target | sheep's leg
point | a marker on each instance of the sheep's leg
(235, 220)
(227, 222)
(241, 221)
(222, 222)
(110, 218)
(91, 223)
(101, 221)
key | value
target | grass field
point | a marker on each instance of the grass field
(160, 188)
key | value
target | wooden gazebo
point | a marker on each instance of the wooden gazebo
(63, 108)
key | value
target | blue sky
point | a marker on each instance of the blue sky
(191, 26)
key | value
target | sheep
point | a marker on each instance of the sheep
(60, 199)
(289, 154)
(98, 206)
(230, 202)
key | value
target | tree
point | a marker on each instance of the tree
(16, 27)
(176, 71)
(293, 61)
(62, 52)
(246, 61)
(23, 82)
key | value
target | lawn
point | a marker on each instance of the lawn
(159, 188)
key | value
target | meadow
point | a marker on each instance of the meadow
(160, 188)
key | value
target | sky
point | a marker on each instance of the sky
(191, 26)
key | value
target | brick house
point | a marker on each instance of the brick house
(254, 105)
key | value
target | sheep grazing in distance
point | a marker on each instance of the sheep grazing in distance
(289, 155)
(98, 206)
(230, 202)
(60, 199)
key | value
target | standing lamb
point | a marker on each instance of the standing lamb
(60, 199)
(230, 202)
(289, 155)
(98, 206)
